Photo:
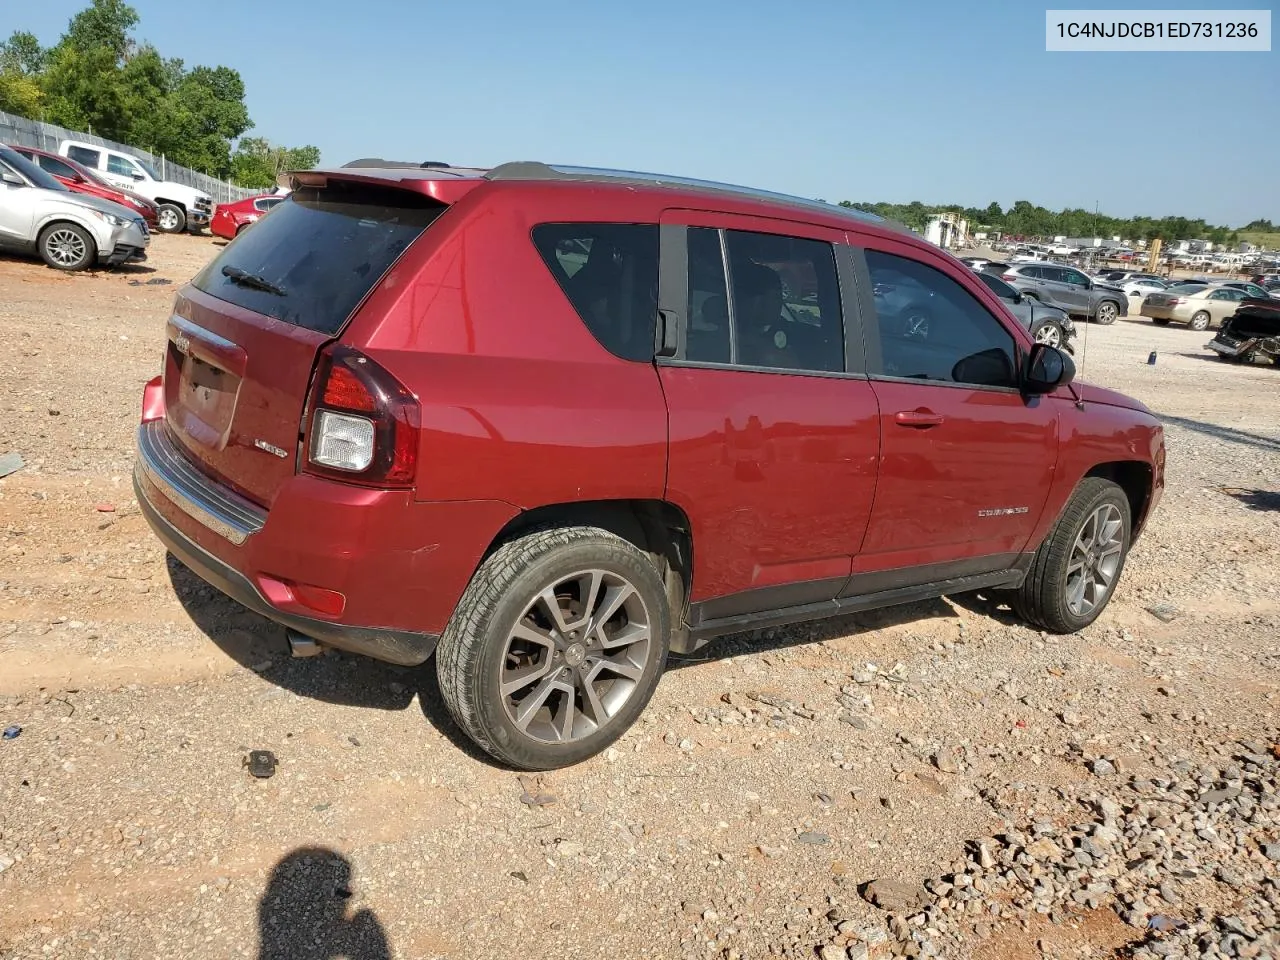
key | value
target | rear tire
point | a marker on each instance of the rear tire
(1107, 312)
(67, 246)
(173, 219)
(539, 688)
(1066, 589)
(1199, 320)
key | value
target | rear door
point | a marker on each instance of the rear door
(774, 432)
(244, 334)
(967, 460)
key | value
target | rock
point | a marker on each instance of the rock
(570, 848)
(945, 760)
(1072, 718)
(1271, 851)
(814, 839)
(686, 744)
(866, 674)
(832, 952)
(1164, 612)
(895, 896)
(1102, 767)
(858, 951)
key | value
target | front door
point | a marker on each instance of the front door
(17, 211)
(774, 432)
(966, 459)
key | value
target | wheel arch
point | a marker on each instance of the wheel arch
(177, 203)
(658, 527)
(59, 218)
(1136, 479)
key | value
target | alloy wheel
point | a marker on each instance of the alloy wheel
(575, 656)
(66, 247)
(1095, 560)
(168, 220)
(1049, 334)
(1107, 313)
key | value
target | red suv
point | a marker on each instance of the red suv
(552, 423)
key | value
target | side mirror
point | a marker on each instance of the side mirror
(11, 179)
(1047, 369)
(139, 176)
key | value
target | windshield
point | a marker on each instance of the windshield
(34, 174)
(151, 171)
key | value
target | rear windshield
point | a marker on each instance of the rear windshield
(315, 257)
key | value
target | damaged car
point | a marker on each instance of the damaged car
(1252, 334)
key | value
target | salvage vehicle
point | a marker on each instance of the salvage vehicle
(1069, 289)
(180, 207)
(80, 179)
(1198, 305)
(554, 423)
(1252, 334)
(1046, 324)
(231, 218)
(69, 231)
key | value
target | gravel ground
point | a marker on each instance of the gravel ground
(932, 780)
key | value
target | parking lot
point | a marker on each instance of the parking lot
(773, 776)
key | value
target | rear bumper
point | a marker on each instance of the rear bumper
(399, 564)
(394, 646)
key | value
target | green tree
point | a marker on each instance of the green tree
(103, 25)
(257, 162)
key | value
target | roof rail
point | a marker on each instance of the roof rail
(536, 170)
(378, 162)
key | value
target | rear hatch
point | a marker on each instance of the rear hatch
(245, 334)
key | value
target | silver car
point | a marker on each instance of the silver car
(69, 231)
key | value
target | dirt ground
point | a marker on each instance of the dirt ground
(722, 825)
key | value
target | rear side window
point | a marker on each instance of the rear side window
(89, 158)
(609, 272)
(315, 259)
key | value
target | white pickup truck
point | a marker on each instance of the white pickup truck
(181, 207)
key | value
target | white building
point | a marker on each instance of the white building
(948, 231)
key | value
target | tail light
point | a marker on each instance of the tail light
(361, 423)
(1173, 301)
(1009, 277)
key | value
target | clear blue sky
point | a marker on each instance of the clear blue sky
(839, 99)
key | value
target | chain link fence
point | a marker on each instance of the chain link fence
(21, 132)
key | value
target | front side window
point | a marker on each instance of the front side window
(120, 166)
(609, 272)
(1076, 277)
(57, 167)
(931, 328)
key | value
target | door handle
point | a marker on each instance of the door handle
(920, 419)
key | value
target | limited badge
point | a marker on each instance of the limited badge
(780, 340)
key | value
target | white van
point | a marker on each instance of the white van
(181, 207)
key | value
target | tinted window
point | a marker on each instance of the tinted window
(120, 166)
(998, 287)
(785, 303)
(931, 328)
(707, 334)
(1031, 273)
(84, 155)
(1075, 276)
(57, 167)
(266, 203)
(30, 171)
(320, 253)
(609, 272)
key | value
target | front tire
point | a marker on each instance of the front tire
(556, 646)
(1074, 573)
(1199, 320)
(1050, 332)
(67, 246)
(173, 219)
(1107, 313)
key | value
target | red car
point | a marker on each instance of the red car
(552, 423)
(230, 218)
(80, 179)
